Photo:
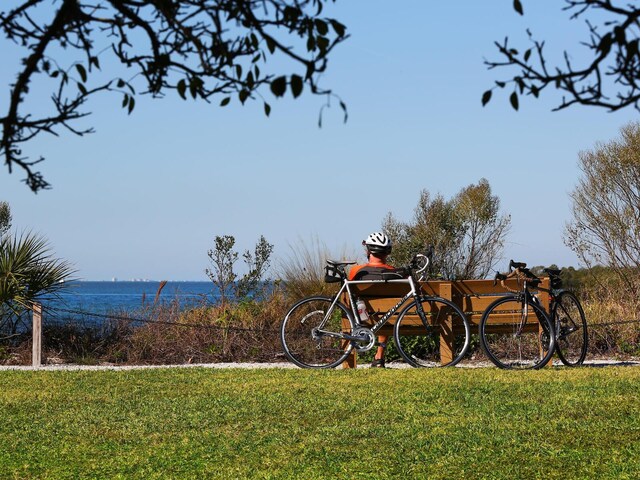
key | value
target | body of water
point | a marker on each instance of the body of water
(112, 297)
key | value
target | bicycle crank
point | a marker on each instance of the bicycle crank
(364, 339)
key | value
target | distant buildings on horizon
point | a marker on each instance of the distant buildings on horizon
(114, 279)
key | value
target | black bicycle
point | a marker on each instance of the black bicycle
(515, 330)
(321, 332)
(569, 322)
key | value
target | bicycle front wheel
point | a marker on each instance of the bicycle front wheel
(571, 329)
(311, 332)
(517, 334)
(438, 338)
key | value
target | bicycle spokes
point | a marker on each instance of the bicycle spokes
(572, 329)
(312, 333)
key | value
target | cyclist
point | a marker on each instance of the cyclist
(378, 247)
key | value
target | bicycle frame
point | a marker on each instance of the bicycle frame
(413, 293)
(524, 295)
(553, 294)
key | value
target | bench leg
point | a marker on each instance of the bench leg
(446, 329)
(446, 342)
(352, 359)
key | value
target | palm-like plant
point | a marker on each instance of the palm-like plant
(28, 271)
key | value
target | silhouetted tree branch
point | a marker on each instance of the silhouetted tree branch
(198, 48)
(608, 78)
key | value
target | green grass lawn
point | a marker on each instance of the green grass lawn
(203, 423)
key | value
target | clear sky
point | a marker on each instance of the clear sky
(145, 195)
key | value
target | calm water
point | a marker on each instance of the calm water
(111, 297)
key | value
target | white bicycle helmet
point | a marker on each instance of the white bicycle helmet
(378, 243)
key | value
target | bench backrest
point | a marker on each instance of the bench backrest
(472, 296)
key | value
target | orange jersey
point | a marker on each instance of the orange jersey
(355, 269)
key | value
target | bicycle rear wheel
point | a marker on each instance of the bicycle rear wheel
(427, 345)
(310, 333)
(517, 334)
(571, 329)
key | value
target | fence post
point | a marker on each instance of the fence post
(36, 355)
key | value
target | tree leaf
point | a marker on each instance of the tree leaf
(527, 54)
(254, 40)
(296, 85)
(182, 89)
(323, 44)
(321, 27)
(267, 109)
(94, 61)
(225, 101)
(132, 103)
(311, 43)
(338, 28)
(517, 6)
(486, 96)
(605, 43)
(514, 100)
(271, 44)
(82, 71)
(279, 86)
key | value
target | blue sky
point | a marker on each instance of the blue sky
(145, 195)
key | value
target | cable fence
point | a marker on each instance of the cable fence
(163, 336)
(140, 320)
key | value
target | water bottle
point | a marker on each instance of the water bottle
(362, 310)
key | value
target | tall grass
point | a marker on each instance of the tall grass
(302, 271)
(613, 315)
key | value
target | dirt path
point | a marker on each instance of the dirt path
(589, 363)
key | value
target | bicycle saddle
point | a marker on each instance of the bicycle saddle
(553, 272)
(337, 263)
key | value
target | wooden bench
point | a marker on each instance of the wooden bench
(471, 296)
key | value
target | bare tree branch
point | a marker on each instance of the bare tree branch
(608, 80)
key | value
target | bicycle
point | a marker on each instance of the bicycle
(515, 330)
(569, 322)
(321, 331)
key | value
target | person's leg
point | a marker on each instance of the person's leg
(378, 359)
(382, 340)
